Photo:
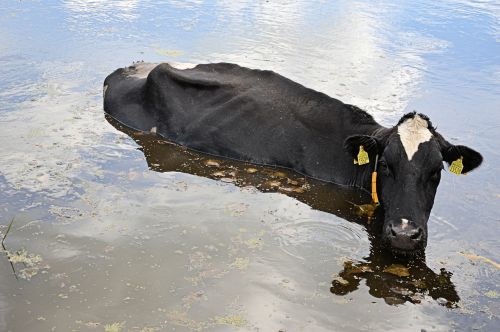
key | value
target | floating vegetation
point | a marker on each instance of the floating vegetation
(206, 274)
(279, 174)
(492, 294)
(254, 243)
(232, 320)
(22, 256)
(273, 183)
(180, 318)
(351, 268)
(65, 212)
(198, 260)
(218, 174)
(31, 262)
(475, 257)
(365, 210)
(236, 209)
(240, 263)
(36, 132)
(251, 170)
(169, 53)
(398, 270)
(286, 189)
(148, 329)
(341, 281)
(212, 163)
(115, 327)
(193, 297)
(28, 273)
(89, 324)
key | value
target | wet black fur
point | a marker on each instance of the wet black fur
(264, 118)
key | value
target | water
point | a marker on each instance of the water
(115, 227)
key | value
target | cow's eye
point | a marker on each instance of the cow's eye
(383, 167)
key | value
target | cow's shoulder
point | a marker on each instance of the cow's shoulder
(359, 116)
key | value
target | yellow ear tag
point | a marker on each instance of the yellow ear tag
(457, 166)
(362, 156)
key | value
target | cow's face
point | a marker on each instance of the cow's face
(410, 161)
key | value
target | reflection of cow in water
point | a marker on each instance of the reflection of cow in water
(263, 118)
(410, 281)
(413, 282)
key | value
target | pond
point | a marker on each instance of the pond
(108, 229)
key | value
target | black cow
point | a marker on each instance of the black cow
(264, 118)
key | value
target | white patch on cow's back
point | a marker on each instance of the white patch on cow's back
(182, 65)
(140, 69)
(412, 133)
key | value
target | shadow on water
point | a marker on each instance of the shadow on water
(394, 280)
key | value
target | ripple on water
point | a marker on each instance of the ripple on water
(298, 228)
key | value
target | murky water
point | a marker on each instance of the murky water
(115, 229)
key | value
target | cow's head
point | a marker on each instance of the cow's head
(410, 161)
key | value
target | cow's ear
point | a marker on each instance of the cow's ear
(469, 158)
(352, 145)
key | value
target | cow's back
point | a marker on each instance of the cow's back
(251, 115)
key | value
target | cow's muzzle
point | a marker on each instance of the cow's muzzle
(405, 237)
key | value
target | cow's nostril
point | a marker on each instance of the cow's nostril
(417, 234)
(405, 236)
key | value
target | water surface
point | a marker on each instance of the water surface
(116, 227)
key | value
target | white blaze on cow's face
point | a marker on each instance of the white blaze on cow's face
(412, 133)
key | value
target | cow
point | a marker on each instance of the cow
(261, 117)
